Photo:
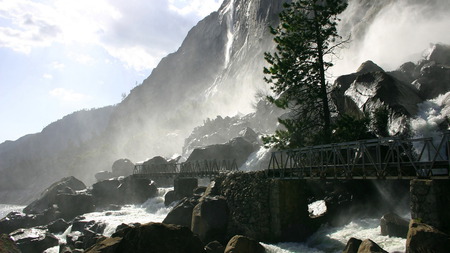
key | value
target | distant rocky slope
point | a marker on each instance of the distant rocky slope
(216, 71)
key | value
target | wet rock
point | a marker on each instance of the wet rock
(72, 205)
(122, 228)
(106, 192)
(79, 224)
(243, 244)
(368, 246)
(108, 245)
(48, 196)
(425, 238)
(16, 220)
(130, 190)
(184, 187)
(210, 219)
(85, 234)
(152, 237)
(352, 245)
(200, 190)
(249, 135)
(238, 149)
(439, 53)
(170, 197)
(58, 226)
(122, 167)
(367, 67)
(33, 240)
(181, 214)
(214, 247)
(7, 245)
(103, 175)
(393, 225)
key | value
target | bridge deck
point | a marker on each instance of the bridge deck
(386, 158)
(200, 169)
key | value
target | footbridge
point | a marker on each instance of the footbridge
(198, 169)
(384, 158)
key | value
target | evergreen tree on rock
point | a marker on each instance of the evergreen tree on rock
(306, 39)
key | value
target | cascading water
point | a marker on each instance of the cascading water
(153, 210)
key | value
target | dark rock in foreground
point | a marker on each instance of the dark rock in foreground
(130, 190)
(58, 226)
(210, 219)
(122, 167)
(214, 247)
(352, 246)
(238, 149)
(7, 245)
(181, 214)
(425, 238)
(393, 225)
(34, 240)
(48, 196)
(16, 220)
(243, 244)
(367, 246)
(151, 237)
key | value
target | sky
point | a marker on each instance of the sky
(62, 56)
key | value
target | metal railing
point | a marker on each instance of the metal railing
(201, 168)
(376, 158)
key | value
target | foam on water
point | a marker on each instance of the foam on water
(153, 210)
(334, 239)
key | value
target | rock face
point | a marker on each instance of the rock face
(400, 91)
(103, 175)
(238, 148)
(425, 238)
(33, 240)
(16, 220)
(371, 87)
(181, 214)
(352, 246)
(430, 202)
(122, 167)
(57, 226)
(393, 225)
(151, 237)
(7, 245)
(210, 219)
(84, 234)
(242, 244)
(367, 246)
(224, 50)
(184, 187)
(48, 197)
(72, 205)
(130, 190)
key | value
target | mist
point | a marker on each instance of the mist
(390, 33)
(218, 70)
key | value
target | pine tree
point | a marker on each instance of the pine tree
(305, 39)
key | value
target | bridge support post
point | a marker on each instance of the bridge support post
(430, 202)
(289, 216)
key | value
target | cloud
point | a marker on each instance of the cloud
(57, 65)
(68, 95)
(198, 7)
(82, 58)
(136, 32)
(47, 76)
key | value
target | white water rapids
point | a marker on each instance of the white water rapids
(327, 239)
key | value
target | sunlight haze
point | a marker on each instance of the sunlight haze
(58, 57)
